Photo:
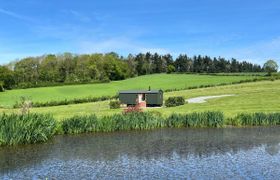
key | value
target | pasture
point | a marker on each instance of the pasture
(249, 97)
(156, 81)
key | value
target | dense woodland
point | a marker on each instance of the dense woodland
(70, 68)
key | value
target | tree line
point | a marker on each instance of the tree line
(71, 68)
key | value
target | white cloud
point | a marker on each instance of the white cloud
(16, 15)
(259, 52)
(81, 17)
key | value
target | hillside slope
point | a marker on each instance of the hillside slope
(250, 97)
(156, 81)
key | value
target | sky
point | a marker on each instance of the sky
(242, 29)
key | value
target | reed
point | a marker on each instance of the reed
(118, 122)
(256, 119)
(203, 119)
(32, 128)
(140, 121)
(26, 129)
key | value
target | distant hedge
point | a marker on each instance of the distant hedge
(223, 84)
(68, 101)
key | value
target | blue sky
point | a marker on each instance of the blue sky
(244, 29)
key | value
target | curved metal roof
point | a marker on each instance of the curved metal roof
(140, 92)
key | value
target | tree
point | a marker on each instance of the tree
(49, 69)
(270, 66)
(131, 65)
(157, 63)
(2, 86)
(168, 59)
(27, 70)
(83, 68)
(170, 69)
(7, 77)
(181, 63)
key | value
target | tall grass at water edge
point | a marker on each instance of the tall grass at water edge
(26, 129)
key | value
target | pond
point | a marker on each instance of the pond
(231, 153)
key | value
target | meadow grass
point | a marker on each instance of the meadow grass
(250, 97)
(156, 81)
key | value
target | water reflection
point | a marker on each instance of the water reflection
(90, 153)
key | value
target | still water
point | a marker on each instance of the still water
(231, 153)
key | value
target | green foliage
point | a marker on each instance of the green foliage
(33, 128)
(204, 119)
(167, 82)
(2, 86)
(26, 129)
(71, 68)
(175, 101)
(6, 77)
(79, 124)
(257, 119)
(270, 66)
(66, 101)
(115, 104)
(140, 121)
(170, 69)
(118, 122)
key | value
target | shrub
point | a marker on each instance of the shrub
(26, 128)
(175, 101)
(115, 104)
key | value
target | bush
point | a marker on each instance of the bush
(26, 128)
(175, 101)
(115, 104)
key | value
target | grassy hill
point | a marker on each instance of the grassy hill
(156, 81)
(250, 97)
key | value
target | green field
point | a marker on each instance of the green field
(157, 81)
(250, 97)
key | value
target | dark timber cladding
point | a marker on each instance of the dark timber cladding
(152, 97)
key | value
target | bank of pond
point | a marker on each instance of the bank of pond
(34, 128)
